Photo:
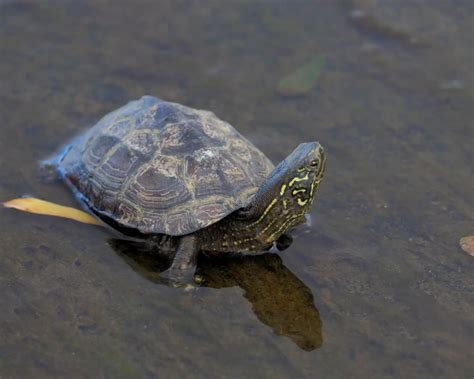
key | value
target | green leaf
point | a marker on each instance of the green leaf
(302, 80)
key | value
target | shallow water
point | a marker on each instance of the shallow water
(378, 288)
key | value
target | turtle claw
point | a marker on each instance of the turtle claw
(182, 278)
(181, 272)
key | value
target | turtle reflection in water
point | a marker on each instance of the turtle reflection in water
(163, 171)
(278, 298)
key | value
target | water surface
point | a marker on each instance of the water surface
(377, 288)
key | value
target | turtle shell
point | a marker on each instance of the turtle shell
(163, 168)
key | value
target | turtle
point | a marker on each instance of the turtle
(163, 171)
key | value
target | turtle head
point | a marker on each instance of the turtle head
(300, 175)
(286, 195)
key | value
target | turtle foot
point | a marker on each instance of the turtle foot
(181, 278)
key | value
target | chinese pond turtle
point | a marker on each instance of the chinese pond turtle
(158, 169)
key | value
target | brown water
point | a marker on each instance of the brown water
(378, 288)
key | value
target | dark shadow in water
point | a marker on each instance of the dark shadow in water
(279, 299)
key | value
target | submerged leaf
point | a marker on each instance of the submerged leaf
(301, 81)
(37, 206)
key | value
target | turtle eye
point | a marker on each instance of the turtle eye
(314, 163)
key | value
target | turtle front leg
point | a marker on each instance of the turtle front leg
(181, 272)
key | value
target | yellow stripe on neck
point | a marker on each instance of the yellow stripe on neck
(298, 179)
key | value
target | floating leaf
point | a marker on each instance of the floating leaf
(37, 206)
(301, 81)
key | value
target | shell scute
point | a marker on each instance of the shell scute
(156, 191)
(213, 211)
(169, 113)
(120, 161)
(233, 176)
(185, 138)
(99, 148)
(181, 222)
(140, 141)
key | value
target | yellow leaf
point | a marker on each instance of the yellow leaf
(37, 206)
(467, 244)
